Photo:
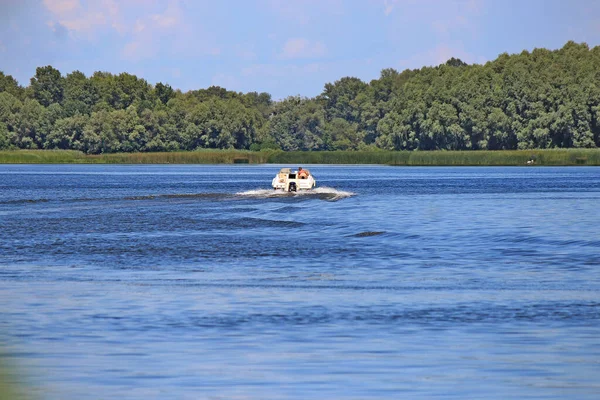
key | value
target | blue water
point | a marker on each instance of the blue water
(195, 282)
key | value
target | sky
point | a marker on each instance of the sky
(283, 47)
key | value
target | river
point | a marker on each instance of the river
(192, 282)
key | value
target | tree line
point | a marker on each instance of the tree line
(532, 100)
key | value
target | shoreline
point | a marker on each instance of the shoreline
(551, 157)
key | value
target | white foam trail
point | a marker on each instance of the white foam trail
(262, 193)
(329, 193)
(332, 194)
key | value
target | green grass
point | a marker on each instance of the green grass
(504, 157)
(188, 157)
(337, 157)
(41, 157)
(464, 158)
(77, 157)
(507, 157)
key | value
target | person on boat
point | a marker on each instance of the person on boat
(302, 173)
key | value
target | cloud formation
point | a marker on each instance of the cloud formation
(171, 17)
(447, 26)
(77, 18)
(140, 29)
(388, 6)
(302, 48)
(148, 30)
(62, 7)
(281, 46)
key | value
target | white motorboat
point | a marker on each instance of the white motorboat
(293, 181)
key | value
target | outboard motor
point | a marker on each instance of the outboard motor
(292, 187)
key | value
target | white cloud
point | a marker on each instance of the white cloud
(446, 16)
(62, 7)
(303, 48)
(2, 47)
(72, 15)
(171, 17)
(139, 26)
(167, 32)
(451, 22)
(85, 22)
(475, 6)
(388, 6)
(116, 20)
(149, 29)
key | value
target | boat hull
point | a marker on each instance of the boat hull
(286, 183)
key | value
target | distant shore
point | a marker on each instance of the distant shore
(408, 158)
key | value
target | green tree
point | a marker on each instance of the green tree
(297, 124)
(95, 139)
(4, 141)
(47, 85)
(10, 110)
(117, 92)
(68, 133)
(161, 134)
(260, 101)
(339, 99)
(32, 126)
(456, 62)
(342, 135)
(164, 92)
(10, 85)
(535, 99)
(80, 95)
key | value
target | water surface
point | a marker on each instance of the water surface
(387, 282)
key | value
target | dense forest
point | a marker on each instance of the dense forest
(533, 100)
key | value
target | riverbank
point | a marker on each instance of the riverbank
(414, 158)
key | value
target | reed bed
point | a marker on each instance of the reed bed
(457, 158)
(42, 157)
(184, 157)
(507, 157)
(431, 158)
(187, 157)
(338, 157)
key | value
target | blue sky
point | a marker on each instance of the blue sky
(284, 47)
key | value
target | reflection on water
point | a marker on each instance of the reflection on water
(201, 282)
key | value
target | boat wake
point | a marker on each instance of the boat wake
(322, 193)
